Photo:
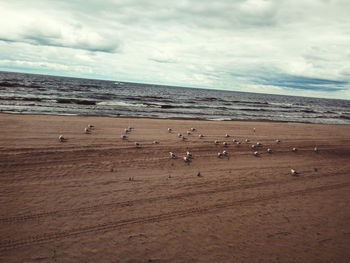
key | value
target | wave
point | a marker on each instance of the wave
(24, 99)
(9, 84)
(307, 111)
(89, 86)
(76, 101)
(343, 116)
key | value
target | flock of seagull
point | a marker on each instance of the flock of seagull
(188, 155)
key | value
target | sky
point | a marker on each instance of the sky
(290, 47)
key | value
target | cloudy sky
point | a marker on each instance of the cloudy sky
(296, 47)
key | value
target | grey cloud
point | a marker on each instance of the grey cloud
(43, 40)
(302, 83)
(289, 44)
(160, 60)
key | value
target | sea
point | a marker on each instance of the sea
(44, 94)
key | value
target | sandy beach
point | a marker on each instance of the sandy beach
(98, 198)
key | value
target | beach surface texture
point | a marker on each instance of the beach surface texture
(95, 197)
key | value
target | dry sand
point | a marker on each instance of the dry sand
(73, 201)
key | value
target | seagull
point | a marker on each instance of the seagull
(269, 150)
(220, 155)
(187, 159)
(155, 142)
(126, 130)
(294, 149)
(253, 146)
(61, 138)
(224, 153)
(188, 133)
(294, 172)
(258, 144)
(137, 145)
(179, 135)
(278, 141)
(188, 154)
(87, 130)
(238, 142)
(316, 149)
(169, 130)
(183, 138)
(254, 129)
(172, 155)
(193, 129)
(216, 142)
(123, 137)
(91, 126)
(256, 154)
(246, 140)
(225, 144)
(226, 135)
(200, 136)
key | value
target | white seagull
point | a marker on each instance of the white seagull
(269, 150)
(137, 145)
(294, 149)
(61, 138)
(188, 154)
(294, 172)
(172, 155)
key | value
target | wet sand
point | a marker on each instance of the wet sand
(97, 198)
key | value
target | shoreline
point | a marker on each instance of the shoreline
(171, 118)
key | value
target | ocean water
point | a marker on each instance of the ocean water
(28, 93)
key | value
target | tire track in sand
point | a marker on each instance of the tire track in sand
(14, 219)
(47, 237)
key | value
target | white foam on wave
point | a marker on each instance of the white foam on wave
(219, 119)
(120, 103)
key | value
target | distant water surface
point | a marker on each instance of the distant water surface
(28, 93)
